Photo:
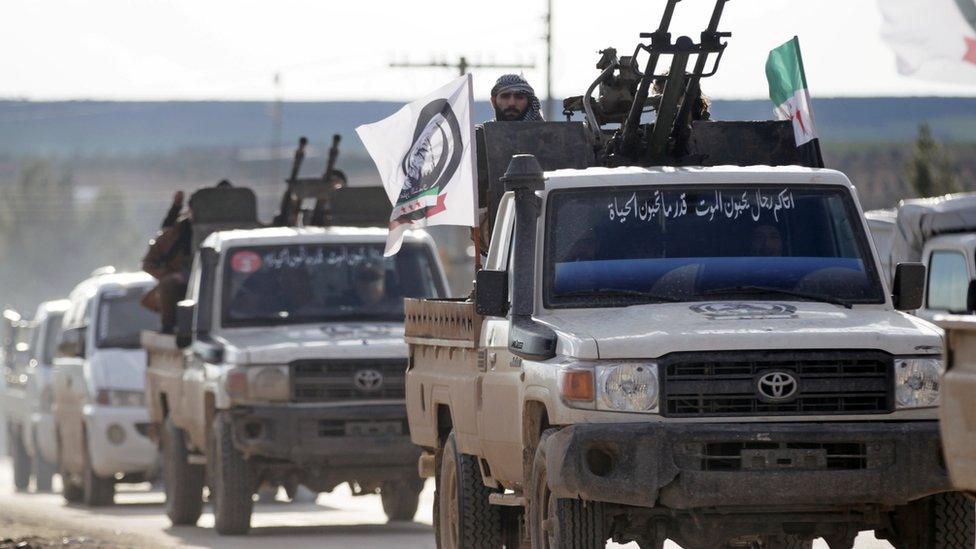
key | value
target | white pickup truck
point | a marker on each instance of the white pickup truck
(287, 370)
(99, 379)
(27, 401)
(707, 355)
(939, 232)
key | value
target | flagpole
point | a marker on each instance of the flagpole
(818, 154)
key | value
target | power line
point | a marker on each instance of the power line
(462, 65)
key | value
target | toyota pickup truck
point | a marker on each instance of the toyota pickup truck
(701, 354)
(681, 332)
(287, 368)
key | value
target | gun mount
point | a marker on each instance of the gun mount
(613, 131)
(329, 200)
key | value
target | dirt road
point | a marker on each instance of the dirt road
(336, 520)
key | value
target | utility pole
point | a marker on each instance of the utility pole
(549, 101)
(276, 115)
(462, 65)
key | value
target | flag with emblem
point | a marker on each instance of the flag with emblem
(932, 39)
(425, 155)
(791, 97)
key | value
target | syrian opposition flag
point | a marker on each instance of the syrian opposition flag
(791, 96)
(425, 156)
(932, 39)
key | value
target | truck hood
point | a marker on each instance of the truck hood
(651, 331)
(118, 369)
(283, 344)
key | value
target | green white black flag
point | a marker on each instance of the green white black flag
(789, 92)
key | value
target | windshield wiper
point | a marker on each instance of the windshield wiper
(779, 291)
(622, 292)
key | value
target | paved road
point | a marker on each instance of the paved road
(336, 520)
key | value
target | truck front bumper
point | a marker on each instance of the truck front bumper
(689, 466)
(345, 436)
(131, 452)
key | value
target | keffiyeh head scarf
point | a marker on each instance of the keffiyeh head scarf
(515, 83)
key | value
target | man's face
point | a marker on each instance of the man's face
(510, 105)
(370, 288)
(766, 242)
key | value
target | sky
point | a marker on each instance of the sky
(330, 50)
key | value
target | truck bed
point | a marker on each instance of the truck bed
(164, 376)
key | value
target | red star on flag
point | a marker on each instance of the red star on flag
(971, 51)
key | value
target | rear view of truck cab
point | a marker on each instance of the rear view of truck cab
(99, 379)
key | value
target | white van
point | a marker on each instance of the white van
(99, 378)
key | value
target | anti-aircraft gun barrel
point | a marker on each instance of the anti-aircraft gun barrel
(318, 216)
(661, 36)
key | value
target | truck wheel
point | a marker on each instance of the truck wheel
(557, 523)
(43, 473)
(182, 481)
(231, 488)
(98, 491)
(401, 498)
(941, 521)
(22, 461)
(465, 520)
(71, 489)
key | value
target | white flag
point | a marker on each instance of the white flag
(425, 157)
(932, 39)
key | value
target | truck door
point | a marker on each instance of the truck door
(193, 397)
(500, 402)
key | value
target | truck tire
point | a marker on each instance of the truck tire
(466, 520)
(182, 481)
(43, 473)
(231, 487)
(557, 523)
(71, 490)
(940, 521)
(21, 461)
(98, 491)
(401, 498)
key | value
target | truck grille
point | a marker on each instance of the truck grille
(726, 383)
(338, 380)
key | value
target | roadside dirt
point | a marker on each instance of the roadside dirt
(23, 530)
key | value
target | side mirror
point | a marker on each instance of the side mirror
(72, 342)
(184, 322)
(491, 293)
(208, 351)
(909, 286)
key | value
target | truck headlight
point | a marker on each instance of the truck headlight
(262, 383)
(269, 383)
(917, 382)
(627, 387)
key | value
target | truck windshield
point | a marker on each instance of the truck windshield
(121, 318)
(292, 284)
(618, 246)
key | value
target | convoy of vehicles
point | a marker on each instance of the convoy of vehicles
(100, 417)
(683, 330)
